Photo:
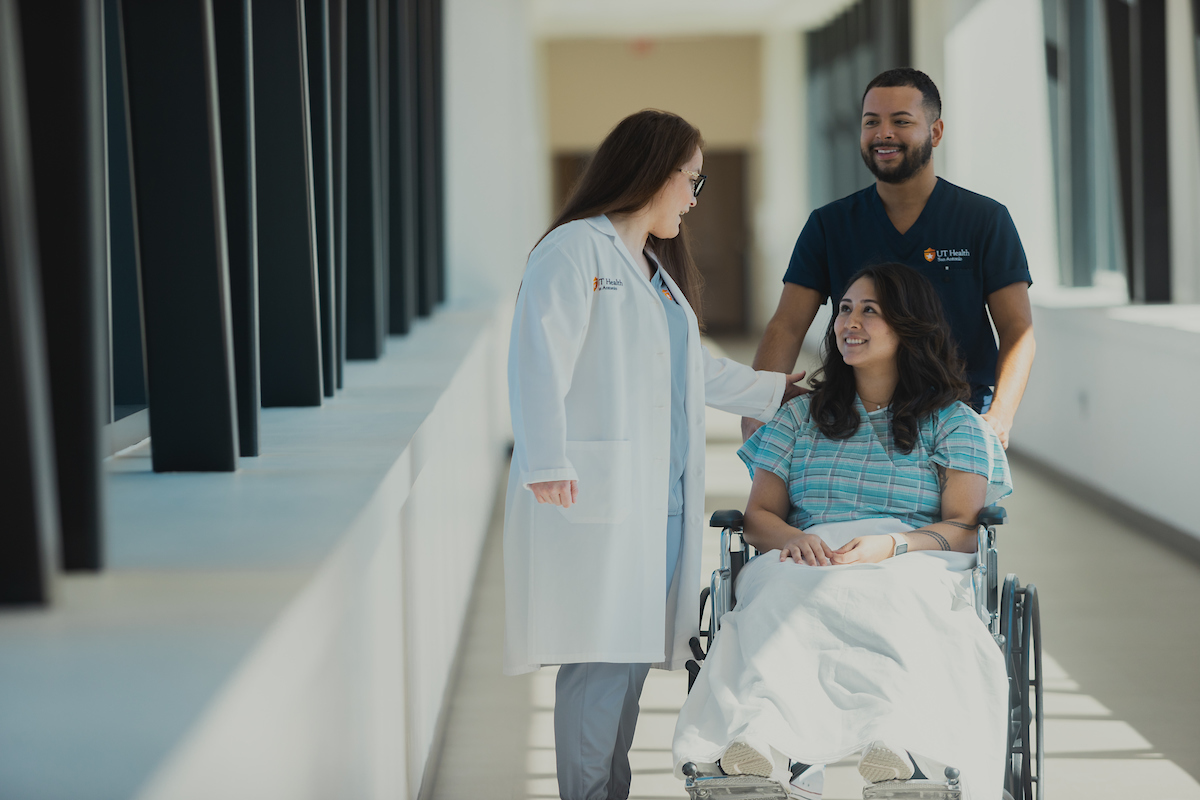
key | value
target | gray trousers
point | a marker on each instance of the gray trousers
(596, 711)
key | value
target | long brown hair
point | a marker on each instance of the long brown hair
(932, 372)
(634, 162)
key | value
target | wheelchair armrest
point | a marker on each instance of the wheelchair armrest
(729, 518)
(993, 515)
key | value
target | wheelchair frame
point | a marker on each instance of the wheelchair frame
(1009, 610)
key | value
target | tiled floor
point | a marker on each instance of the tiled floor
(1121, 625)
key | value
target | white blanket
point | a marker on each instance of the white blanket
(817, 662)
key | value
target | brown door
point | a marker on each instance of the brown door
(568, 169)
(717, 230)
(719, 236)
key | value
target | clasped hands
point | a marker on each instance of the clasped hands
(808, 548)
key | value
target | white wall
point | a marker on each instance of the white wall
(783, 206)
(284, 632)
(340, 696)
(1108, 404)
(995, 105)
(496, 172)
(931, 20)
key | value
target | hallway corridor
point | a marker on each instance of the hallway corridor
(1121, 627)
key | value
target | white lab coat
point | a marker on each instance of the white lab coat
(589, 375)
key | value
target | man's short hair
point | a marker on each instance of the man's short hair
(914, 78)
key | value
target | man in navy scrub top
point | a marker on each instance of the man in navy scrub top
(964, 243)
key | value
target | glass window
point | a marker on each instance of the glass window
(1083, 133)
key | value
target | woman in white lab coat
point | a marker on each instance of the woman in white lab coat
(607, 384)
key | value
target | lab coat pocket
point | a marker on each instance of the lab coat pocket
(605, 481)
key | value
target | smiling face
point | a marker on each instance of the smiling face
(864, 337)
(674, 200)
(897, 138)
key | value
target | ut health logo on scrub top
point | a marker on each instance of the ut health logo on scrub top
(606, 284)
(932, 255)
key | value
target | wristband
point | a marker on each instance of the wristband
(900, 547)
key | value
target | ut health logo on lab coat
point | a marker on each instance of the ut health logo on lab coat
(603, 284)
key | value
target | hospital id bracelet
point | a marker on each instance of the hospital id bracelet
(901, 545)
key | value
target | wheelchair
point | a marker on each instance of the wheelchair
(1008, 609)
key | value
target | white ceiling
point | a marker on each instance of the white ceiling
(636, 18)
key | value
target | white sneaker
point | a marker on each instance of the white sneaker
(809, 784)
(883, 762)
(742, 759)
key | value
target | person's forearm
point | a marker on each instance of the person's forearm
(779, 349)
(766, 530)
(1014, 362)
(780, 346)
(948, 535)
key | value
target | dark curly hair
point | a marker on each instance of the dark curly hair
(932, 373)
(912, 78)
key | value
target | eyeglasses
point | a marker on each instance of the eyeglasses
(697, 181)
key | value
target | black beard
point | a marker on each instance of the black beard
(909, 166)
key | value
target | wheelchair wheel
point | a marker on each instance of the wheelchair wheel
(1020, 624)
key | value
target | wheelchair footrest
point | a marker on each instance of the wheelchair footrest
(734, 787)
(912, 790)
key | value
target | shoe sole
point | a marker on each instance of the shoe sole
(881, 763)
(742, 759)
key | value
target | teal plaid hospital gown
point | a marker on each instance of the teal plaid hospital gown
(865, 476)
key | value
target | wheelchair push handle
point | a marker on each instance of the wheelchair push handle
(728, 518)
(993, 515)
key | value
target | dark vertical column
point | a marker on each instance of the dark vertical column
(1080, 151)
(289, 312)
(337, 73)
(320, 106)
(429, 280)
(383, 21)
(28, 546)
(364, 260)
(179, 195)
(402, 167)
(127, 355)
(235, 76)
(64, 71)
(1196, 40)
(1151, 196)
(439, 147)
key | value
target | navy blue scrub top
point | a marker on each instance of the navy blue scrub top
(964, 243)
(678, 327)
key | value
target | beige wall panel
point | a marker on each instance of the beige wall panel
(713, 82)
(1183, 113)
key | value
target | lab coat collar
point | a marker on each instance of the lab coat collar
(603, 224)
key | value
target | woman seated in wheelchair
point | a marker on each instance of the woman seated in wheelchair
(855, 631)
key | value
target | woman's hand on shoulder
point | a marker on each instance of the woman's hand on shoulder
(807, 548)
(792, 388)
(865, 550)
(556, 493)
